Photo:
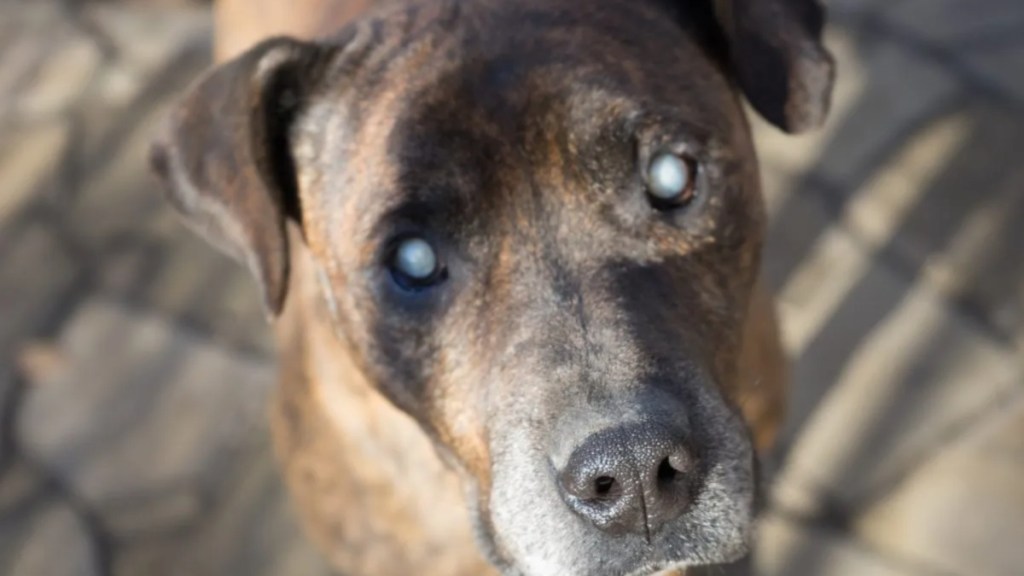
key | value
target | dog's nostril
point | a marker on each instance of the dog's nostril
(603, 485)
(673, 466)
(632, 479)
(666, 473)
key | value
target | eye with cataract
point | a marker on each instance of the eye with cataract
(671, 181)
(415, 264)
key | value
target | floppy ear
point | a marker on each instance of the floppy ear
(224, 155)
(776, 52)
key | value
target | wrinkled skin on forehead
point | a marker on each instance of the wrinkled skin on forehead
(572, 305)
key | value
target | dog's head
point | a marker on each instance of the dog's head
(537, 224)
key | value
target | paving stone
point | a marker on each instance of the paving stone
(23, 494)
(149, 257)
(19, 484)
(964, 235)
(841, 297)
(880, 84)
(256, 532)
(24, 51)
(845, 10)
(29, 159)
(7, 399)
(146, 36)
(57, 545)
(168, 510)
(203, 287)
(921, 213)
(869, 222)
(61, 78)
(28, 359)
(37, 280)
(982, 42)
(963, 509)
(116, 117)
(883, 369)
(119, 196)
(951, 24)
(849, 156)
(999, 64)
(157, 415)
(145, 39)
(113, 48)
(790, 549)
(170, 270)
(251, 531)
(40, 533)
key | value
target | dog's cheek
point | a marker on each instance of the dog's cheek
(461, 431)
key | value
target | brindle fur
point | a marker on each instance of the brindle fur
(511, 132)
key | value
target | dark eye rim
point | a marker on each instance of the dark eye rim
(405, 282)
(688, 196)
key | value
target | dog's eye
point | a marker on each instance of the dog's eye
(415, 265)
(670, 181)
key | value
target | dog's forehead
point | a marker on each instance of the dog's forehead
(490, 59)
(487, 53)
(464, 101)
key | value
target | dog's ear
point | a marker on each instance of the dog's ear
(225, 157)
(777, 55)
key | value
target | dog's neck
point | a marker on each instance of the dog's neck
(399, 510)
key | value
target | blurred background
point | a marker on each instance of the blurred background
(135, 364)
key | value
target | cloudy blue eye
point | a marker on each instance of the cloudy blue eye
(670, 181)
(415, 264)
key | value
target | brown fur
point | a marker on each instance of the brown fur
(358, 514)
(389, 422)
(358, 519)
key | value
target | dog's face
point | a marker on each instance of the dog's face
(537, 225)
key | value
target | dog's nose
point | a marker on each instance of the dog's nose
(632, 479)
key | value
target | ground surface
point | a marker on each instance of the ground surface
(134, 365)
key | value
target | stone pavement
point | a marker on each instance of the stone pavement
(134, 364)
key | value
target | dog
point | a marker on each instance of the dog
(511, 251)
